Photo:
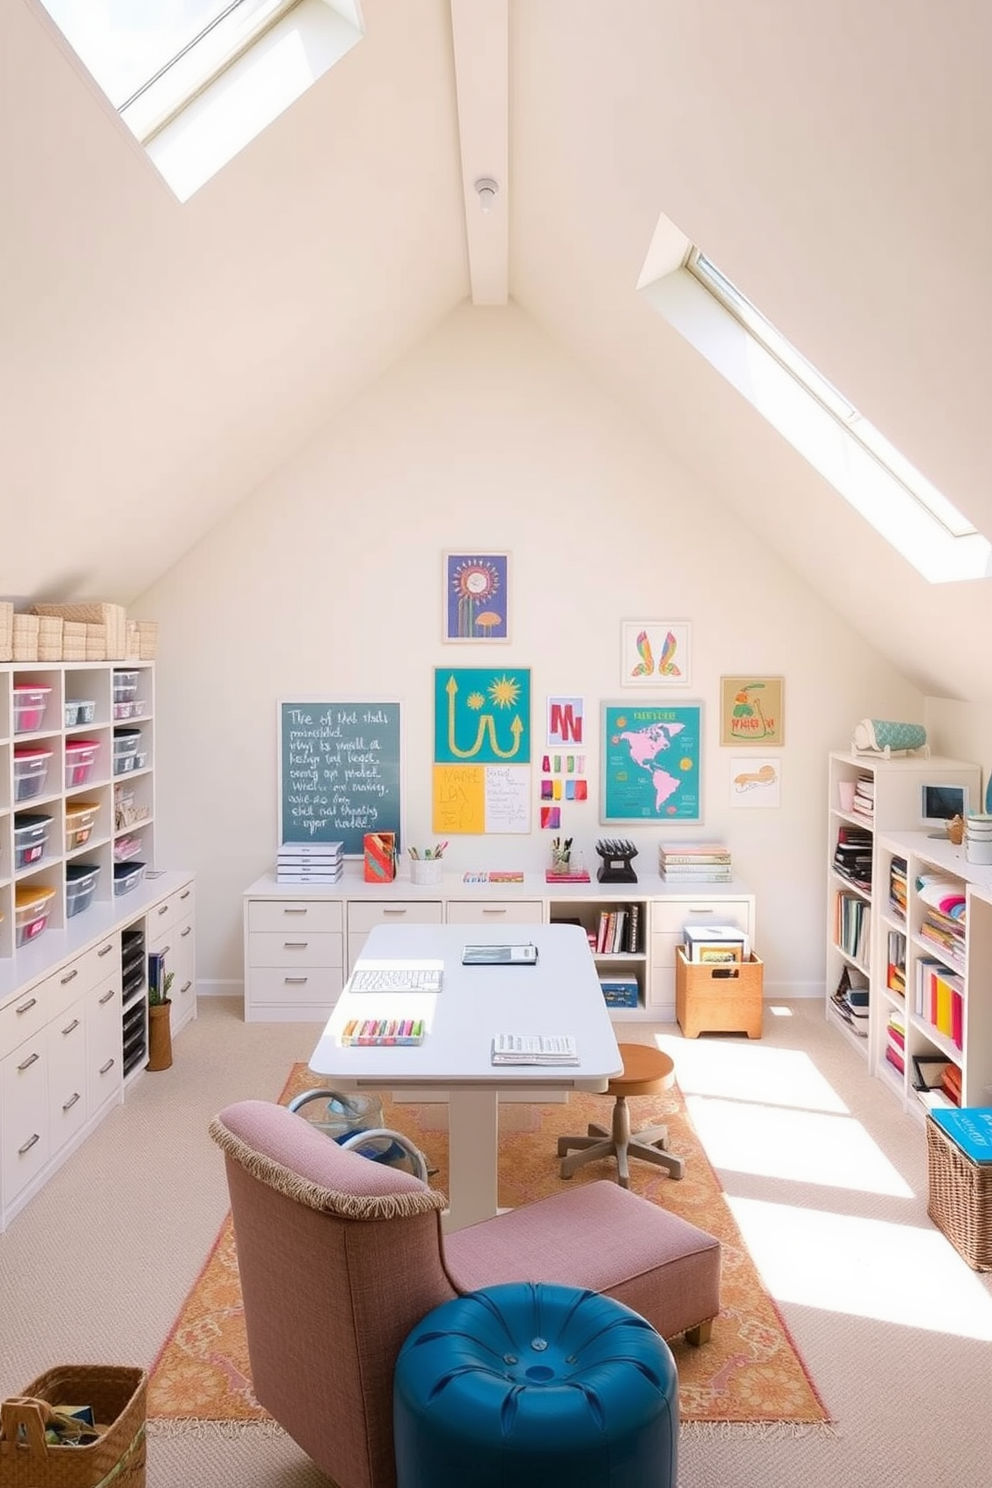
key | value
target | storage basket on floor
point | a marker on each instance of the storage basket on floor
(960, 1201)
(117, 1395)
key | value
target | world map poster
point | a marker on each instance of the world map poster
(651, 763)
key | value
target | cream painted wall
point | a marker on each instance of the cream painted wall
(326, 579)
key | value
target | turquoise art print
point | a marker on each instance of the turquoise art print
(482, 715)
(651, 763)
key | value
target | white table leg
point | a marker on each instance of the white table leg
(473, 1143)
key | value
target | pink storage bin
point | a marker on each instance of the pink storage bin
(29, 707)
(80, 758)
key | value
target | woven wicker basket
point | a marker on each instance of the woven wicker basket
(960, 1200)
(112, 616)
(6, 630)
(117, 1395)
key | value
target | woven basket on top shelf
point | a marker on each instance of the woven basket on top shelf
(117, 1395)
(960, 1201)
(6, 630)
(25, 637)
(113, 617)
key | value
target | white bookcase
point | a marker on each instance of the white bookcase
(962, 1036)
(857, 923)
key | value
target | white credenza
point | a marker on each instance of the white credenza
(301, 941)
(73, 1024)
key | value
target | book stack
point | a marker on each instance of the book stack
(694, 862)
(852, 856)
(309, 862)
(851, 1000)
(619, 931)
(895, 1041)
(864, 797)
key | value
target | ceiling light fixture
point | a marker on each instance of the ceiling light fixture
(487, 189)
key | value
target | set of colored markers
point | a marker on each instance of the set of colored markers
(367, 1032)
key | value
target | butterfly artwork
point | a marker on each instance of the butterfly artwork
(654, 653)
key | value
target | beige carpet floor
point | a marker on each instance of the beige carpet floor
(825, 1176)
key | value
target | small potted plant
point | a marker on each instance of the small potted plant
(159, 1019)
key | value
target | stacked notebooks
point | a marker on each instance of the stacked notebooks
(694, 862)
(310, 862)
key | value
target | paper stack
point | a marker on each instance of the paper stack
(310, 862)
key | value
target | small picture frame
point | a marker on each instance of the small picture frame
(655, 653)
(476, 598)
(751, 711)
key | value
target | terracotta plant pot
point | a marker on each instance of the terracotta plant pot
(159, 1036)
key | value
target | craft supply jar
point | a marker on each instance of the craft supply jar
(425, 871)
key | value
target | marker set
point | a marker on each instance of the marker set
(371, 1032)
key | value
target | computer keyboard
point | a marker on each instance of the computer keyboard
(397, 979)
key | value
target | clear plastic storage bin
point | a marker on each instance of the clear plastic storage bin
(77, 713)
(32, 906)
(80, 817)
(80, 886)
(30, 772)
(126, 741)
(30, 838)
(127, 876)
(125, 686)
(80, 758)
(29, 707)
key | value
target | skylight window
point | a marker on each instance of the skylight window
(196, 80)
(859, 462)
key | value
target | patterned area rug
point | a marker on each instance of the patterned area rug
(749, 1373)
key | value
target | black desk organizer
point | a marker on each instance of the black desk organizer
(616, 866)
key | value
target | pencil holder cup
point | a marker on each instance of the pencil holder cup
(425, 871)
(561, 859)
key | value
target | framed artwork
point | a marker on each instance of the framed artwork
(755, 782)
(654, 653)
(751, 710)
(651, 763)
(476, 596)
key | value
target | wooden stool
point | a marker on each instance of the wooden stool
(646, 1071)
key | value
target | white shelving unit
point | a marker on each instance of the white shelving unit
(857, 925)
(962, 1036)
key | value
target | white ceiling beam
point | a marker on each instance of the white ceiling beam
(480, 33)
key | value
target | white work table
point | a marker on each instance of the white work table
(559, 995)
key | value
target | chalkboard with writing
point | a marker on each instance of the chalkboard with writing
(339, 771)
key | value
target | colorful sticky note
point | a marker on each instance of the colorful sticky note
(547, 793)
(557, 785)
(551, 818)
(581, 790)
(569, 790)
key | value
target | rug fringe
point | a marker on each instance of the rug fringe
(223, 1430)
(759, 1430)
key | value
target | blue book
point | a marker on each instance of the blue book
(969, 1127)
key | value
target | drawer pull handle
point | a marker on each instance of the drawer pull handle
(493, 909)
(165, 950)
(107, 995)
(702, 909)
(185, 894)
(29, 1144)
(26, 1007)
(397, 911)
(69, 976)
(68, 1105)
(31, 1059)
(70, 1028)
(295, 945)
(185, 988)
(162, 909)
(105, 1068)
(301, 910)
(295, 981)
(188, 931)
(105, 950)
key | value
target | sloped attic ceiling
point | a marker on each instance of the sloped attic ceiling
(832, 159)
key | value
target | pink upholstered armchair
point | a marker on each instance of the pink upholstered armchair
(340, 1257)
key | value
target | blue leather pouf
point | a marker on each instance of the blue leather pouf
(533, 1386)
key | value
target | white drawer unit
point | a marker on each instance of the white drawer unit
(647, 920)
(364, 916)
(500, 911)
(668, 920)
(61, 1028)
(171, 933)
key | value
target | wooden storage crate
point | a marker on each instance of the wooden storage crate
(117, 1395)
(960, 1197)
(718, 996)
